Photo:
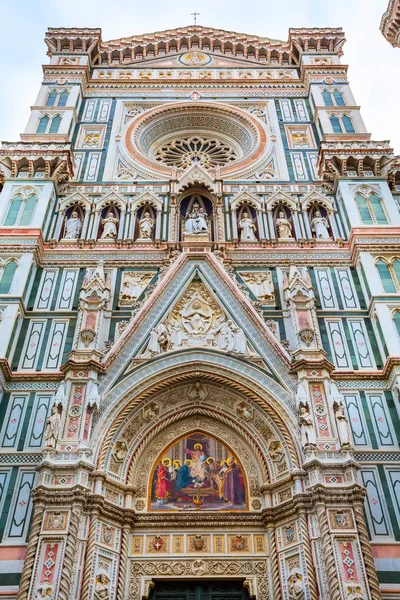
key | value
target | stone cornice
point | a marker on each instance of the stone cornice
(57, 158)
(390, 23)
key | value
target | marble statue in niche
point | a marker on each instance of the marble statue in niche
(319, 225)
(247, 228)
(72, 226)
(283, 226)
(146, 226)
(110, 224)
(342, 424)
(197, 320)
(295, 584)
(260, 283)
(196, 221)
(102, 587)
(52, 428)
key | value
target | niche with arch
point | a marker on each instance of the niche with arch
(147, 231)
(247, 232)
(319, 223)
(198, 472)
(283, 222)
(196, 218)
(71, 229)
(109, 222)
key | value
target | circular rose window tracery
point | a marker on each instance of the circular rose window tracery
(184, 151)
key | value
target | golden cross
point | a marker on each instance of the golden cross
(195, 15)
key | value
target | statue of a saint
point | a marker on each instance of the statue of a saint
(146, 225)
(72, 226)
(260, 284)
(306, 425)
(283, 226)
(320, 226)
(247, 228)
(196, 221)
(52, 428)
(133, 284)
(342, 424)
(109, 227)
(159, 339)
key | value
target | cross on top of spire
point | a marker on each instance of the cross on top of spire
(195, 15)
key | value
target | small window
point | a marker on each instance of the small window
(339, 100)
(335, 124)
(327, 98)
(13, 211)
(42, 127)
(376, 204)
(55, 124)
(62, 101)
(348, 124)
(7, 277)
(28, 211)
(51, 99)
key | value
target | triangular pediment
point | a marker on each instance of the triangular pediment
(197, 305)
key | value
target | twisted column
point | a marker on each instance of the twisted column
(274, 566)
(327, 550)
(31, 549)
(123, 563)
(69, 556)
(370, 568)
(89, 556)
(309, 558)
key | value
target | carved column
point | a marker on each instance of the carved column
(70, 549)
(123, 562)
(275, 584)
(309, 557)
(327, 550)
(27, 571)
(89, 556)
(370, 568)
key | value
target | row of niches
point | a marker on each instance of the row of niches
(215, 74)
(195, 221)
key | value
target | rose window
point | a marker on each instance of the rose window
(185, 151)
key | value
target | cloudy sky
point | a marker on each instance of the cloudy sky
(374, 64)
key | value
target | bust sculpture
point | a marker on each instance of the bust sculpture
(283, 226)
(73, 226)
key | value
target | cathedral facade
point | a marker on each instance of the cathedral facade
(199, 326)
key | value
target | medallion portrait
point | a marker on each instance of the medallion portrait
(197, 473)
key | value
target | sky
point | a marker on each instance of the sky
(374, 66)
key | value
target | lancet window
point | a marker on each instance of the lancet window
(7, 272)
(20, 211)
(389, 272)
(49, 124)
(342, 124)
(372, 210)
(57, 98)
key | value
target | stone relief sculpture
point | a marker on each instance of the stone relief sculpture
(295, 584)
(283, 227)
(133, 284)
(146, 225)
(102, 587)
(260, 283)
(319, 225)
(73, 226)
(52, 428)
(110, 224)
(197, 320)
(196, 222)
(247, 228)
